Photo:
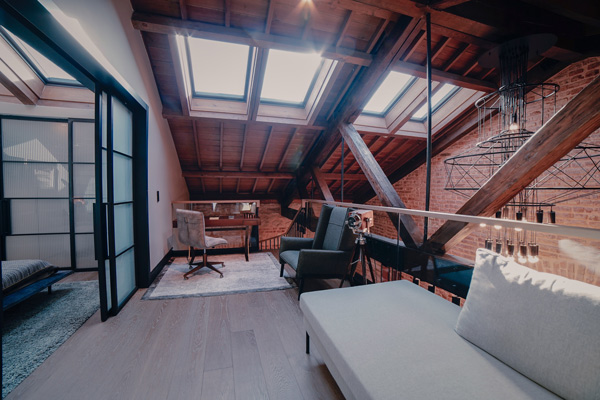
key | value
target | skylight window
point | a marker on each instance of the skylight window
(437, 100)
(46, 69)
(289, 77)
(219, 69)
(390, 90)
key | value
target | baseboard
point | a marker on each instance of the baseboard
(161, 264)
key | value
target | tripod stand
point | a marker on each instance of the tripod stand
(363, 257)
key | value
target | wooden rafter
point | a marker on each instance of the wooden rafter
(439, 47)
(444, 76)
(255, 184)
(173, 26)
(15, 86)
(266, 150)
(345, 26)
(179, 78)
(183, 9)
(221, 138)
(443, 4)
(258, 77)
(237, 174)
(227, 11)
(319, 180)
(270, 13)
(458, 53)
(271, 185)
(287, 149)
(557, 137)
(196, 143)
(245, 136)
(386, 193)
(170, 114)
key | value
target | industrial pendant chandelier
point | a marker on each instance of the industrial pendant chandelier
(507, 119)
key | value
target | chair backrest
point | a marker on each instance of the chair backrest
(332, 232)
(190, 227)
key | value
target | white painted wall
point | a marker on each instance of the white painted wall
(108, 23)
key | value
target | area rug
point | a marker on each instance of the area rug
(259, 274)
(35, 328)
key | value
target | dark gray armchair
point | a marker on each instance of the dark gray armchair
(327, 255)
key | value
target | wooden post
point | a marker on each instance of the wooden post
(320, 180)
(556, 138)
(379, 181)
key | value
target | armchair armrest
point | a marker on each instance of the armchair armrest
(323, 262)
(294, 243)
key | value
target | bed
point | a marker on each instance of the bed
(22, 279)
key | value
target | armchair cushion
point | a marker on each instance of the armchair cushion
(335, 229)
(323, 262)
(290, 257)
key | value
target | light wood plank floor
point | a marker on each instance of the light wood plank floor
(243, 346)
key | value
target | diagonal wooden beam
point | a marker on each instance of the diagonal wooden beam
(557, 137)
(386, 193)
(266, 151)
(243, 147)
(258, 77)
(179, 79)
(196, 144)
(173, 26)
(319, 179)
(287, 149)
(270, 13)
(221, 134)
(15, 86)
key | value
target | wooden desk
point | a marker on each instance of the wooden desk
(231, 224)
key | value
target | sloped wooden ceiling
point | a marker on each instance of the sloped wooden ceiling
(265, 158)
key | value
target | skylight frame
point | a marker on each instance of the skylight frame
(438, 105)
(309, 90)
(394, 101)
(34, 64)
(206, 95)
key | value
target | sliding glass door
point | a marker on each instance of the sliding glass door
(114, 217)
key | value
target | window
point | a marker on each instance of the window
(437, 100)
(289, 77)
(46, 69)
(388, 93)
(219, 69)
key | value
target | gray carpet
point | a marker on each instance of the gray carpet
(34, 329)
(261, 273)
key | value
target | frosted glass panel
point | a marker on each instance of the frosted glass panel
(123, 227)
(55, 249)
(104, 177)
(122, 128)
(83, 142)
(35, 141)
(39, 216)
(123, 188)
(35, 180)
(108, 286)
(84, 180)
(84, 251)
(84, 215)
(125, 275)
(104, 119)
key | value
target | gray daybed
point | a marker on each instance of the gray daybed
(520, 335)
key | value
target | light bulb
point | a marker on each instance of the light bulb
(514, 125)
(497, 227)
(533, 259)
(483, 225)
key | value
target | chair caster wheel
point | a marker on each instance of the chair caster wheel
(221, 277)
(185, 278)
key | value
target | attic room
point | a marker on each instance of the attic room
(403, 198)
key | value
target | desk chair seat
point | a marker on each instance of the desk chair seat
(190, 225)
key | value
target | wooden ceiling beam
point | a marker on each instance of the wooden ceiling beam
(443, 4)
(445, 77)
(287, 149)
(15, 86)
(179, 76)
(221, 134)
(227, 10)
(174, 115)
(183, 9)
(258, 77)
(245, 137)
(196, 144)
(266, 150)
(347, 177)
(557, 137)
(409, 232)
(238, 174)
(319, 179)
(345, 26)
(172, 26)
(270, 14)
(271, 185)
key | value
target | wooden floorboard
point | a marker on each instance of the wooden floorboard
(240, 346)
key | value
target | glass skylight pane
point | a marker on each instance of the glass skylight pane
(436, 101)
(388, 91)
(47, 68)
(289, 75)
(219, 69)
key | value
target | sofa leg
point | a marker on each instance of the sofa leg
(307, 343)
(281, 272)
(300, 288)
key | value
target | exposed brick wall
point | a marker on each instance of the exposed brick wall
(584, 212)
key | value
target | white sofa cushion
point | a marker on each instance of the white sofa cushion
(545, 326)
(396, 340)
